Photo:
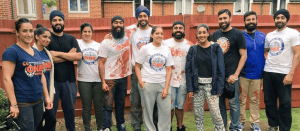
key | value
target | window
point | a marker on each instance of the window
(78, 6)
(276, 5)
(183, 7)
(26, 8)
(241, 6)
(146, 3)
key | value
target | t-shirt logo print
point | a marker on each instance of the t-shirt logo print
(89, 56)
(224, 44)
(33, 68)
(157, 62)
(142, 42)
(276, 46)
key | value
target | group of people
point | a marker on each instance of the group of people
(163, 73)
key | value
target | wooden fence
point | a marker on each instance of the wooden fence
(102, 26)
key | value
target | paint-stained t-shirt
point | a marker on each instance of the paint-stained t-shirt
(179, 51)
(118, 54)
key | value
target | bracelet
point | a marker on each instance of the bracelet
(235, 79)
(16, 106)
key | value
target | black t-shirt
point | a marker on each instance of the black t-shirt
(204, 62)
(230, 42)
(252, 35)
(64, 71)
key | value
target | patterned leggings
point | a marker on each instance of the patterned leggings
(213, 103)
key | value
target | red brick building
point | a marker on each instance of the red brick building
(14, 9)
(74, 9)
(126, 8)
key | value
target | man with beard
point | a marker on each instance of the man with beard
(283, 50)
(251, 74)
(138, 39)
(233, 44)
(114, 67)
(179, 47)
(64, 50)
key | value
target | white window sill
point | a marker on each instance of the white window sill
(26, 15)
(77, 12)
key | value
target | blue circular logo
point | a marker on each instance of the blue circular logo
(89, 56)
(157, 62)
(276, 46)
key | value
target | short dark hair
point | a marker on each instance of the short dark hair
(20, 22)
(152, 32)
(224, 11)
(86, 25)
(40, 30)
(248, 14)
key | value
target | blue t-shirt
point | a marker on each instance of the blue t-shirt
(47, 69)
(28, 72)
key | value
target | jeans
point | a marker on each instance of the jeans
(234, 104)
(30, 117)
(178, 97)
(67, 91)
(50, 121)
(117, 92)
(91, 92)
(274, 89)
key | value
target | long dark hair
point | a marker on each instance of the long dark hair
(86, 25)
(39, 30)
(209, 38)
(152, 32)
(20, 22)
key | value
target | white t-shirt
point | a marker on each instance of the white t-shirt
(154, 61)
(179, 51)
(280, 56)
(87, 68)
(138, 39)
(118, 54)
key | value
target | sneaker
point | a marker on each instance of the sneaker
(241, 126)
(182, 128)
(273, 128)
(255, 127)
(123, 127)
(106, 129)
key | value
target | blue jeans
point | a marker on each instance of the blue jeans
(67, 91)
(30, 117)
(234, 104)
(117, 92)
(178, 97)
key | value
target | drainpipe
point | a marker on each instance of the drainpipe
(60, 5)
(12, 9)
(213, 7)
(163, 10)
(103, 16)
(261, 8)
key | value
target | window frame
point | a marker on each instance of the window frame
(31, 13)
(242, 7)
(142, 3)
(79, 7)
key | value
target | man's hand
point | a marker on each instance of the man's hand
(14, 112)
(108, 36)
(49, 103)
(232, 78)
(288, 79)
(105, 87)
(73, 50)
(191, 94)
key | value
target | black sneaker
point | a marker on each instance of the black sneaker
(182, 128)
(273, 128)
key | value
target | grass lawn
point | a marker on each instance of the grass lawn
(189, 122)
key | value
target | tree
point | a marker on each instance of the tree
(49, 3)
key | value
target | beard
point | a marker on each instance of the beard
(280, 26)
(116, 34)
(58, 30)
(251, 28)
(178, 36)
(143, 25)
(226, 26)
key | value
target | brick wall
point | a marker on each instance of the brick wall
(257, 8)
(124, 9)
(39, 9)
(293, 8)
(5, 9)
(157, 9)
(209, 8)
